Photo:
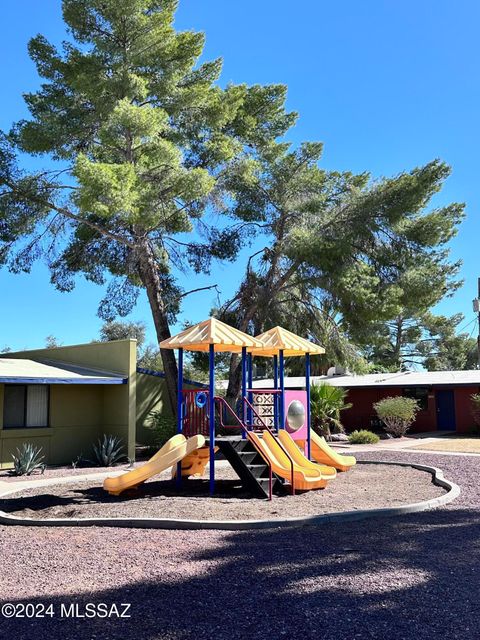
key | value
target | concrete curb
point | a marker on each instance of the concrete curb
(452, 492)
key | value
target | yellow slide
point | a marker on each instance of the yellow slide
(328, 473)
(172, 452)
(322, 452)
(303, 478)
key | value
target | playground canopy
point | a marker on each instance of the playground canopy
(211, 332)
(279, 339)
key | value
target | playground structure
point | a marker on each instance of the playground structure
(276, 444)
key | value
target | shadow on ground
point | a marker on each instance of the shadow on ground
(410, 577)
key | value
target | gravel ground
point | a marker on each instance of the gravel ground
(403, 578)
(364, 487)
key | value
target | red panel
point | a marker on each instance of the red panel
(463, 408)
(195, 419)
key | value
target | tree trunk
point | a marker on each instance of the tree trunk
(148, 272)
(234, 379)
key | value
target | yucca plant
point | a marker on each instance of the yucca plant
(108, 451)
(326, 403)
(28, 459)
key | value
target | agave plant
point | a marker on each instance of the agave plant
(326, 402)
(108, 451)
(27, 460)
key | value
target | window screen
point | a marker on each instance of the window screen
(25, 406)
(37, 406)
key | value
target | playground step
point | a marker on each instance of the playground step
(250, 457)
(249, 465)
(259, 470)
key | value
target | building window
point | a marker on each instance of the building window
(420, 394)
(25, 406)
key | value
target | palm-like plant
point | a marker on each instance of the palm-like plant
(326, 404)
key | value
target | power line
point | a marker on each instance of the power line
(474, 327)
(475, 319)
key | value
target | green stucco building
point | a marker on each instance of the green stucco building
(64, 398)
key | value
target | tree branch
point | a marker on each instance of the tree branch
(187, 293)
(63, 211)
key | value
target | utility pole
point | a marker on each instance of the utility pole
(476, 308)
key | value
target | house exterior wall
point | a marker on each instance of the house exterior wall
(80, 414)
(463, 408)
(151, 396)
(362, 413)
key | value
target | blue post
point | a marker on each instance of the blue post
(211, 412)
(180, 409)
(275, 395)
(244, 380)
(243, 413)
(282, 391)
(250, 386)
(307, 386)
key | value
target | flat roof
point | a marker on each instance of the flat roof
(399, 379)
(26, 371)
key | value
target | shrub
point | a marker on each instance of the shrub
(108, 451)
(163, 427)
(27, 459)
(326, 403)
(363, 436)
(397, 414)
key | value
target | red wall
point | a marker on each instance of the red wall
(362, 412)
(463, 408)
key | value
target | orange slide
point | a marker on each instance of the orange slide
(195, 463)
(328, 472)
(323, 453)
(172, 452)
(304, 477)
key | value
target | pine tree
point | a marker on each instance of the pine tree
(135, 132)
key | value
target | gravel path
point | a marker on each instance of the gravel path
(364, 487)
(62, 472)
(413, 577)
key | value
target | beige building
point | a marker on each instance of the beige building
(64, 398)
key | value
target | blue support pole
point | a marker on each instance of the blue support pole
(180, 409)
(211, 413)
(275, 395)
(244, 381)
(243, 413)
(250, 386)
(282, 390)
(307, 386)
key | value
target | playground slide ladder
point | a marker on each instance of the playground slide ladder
(246, 457)
(251, 468)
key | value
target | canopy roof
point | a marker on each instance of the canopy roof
(211, 331)
(279, 339)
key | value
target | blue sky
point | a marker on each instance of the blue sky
(385, 85)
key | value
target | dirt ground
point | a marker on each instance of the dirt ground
(454, 444)
(364, 487)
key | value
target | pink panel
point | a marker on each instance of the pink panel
(296, 396)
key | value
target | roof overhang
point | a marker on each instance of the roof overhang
(24, 371)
